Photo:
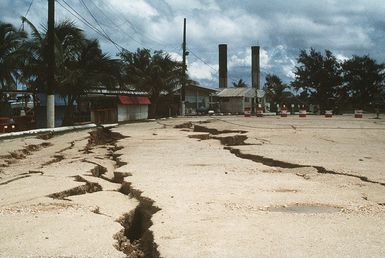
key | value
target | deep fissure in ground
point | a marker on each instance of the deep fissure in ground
(135, 239)
(136, 224)
(234, 140)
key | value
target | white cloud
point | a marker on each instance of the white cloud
(341, 57)
(136, 8)
(280, 27)
(175, 56)
(193, 4)
(243, 58)
(288, 71)
(201, 71)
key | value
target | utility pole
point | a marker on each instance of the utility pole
(51, 66)
(184, 54)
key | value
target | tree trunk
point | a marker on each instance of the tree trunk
(152, 109)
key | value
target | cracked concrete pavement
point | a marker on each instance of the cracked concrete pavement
(236, 187)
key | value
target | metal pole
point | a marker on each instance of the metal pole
(51, 66)
(183, 89)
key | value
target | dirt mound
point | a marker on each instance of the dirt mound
(213, 131)
(184, 125)
(102, 136)
(46, 136)
(232, 140)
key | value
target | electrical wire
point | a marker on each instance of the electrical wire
(93, 16)
(77, 15)
(203, 61)
(26, 13)
(215, 70)
(86, 22)
(132, 26)
(97, 22)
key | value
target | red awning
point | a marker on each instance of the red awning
(133, 100)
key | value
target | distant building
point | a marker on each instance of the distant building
(197, 101)
(235, 100)
(113, 106)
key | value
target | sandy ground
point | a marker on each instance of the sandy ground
(231, 187)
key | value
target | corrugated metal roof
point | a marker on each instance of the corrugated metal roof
(116, 92)
(197, 86)
(237, 92)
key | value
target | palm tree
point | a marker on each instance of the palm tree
(11, 53)
(80, 64)
(67, 39)
(275, 89)
(88, 69)
(240, 84)
(154, 73)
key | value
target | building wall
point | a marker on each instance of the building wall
(132, 112)
(197, 100)
(41, 116)
(234, 104)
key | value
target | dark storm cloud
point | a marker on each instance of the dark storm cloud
(281, 28)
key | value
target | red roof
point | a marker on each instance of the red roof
(133, 100)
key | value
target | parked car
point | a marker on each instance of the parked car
(7, 125)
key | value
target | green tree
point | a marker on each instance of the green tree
(11, 53)
(80, 64)
(319, 75)
(275, 89)
(364, 81)
(87, 68)
(155, 73)
(68, 39)
(240, 84)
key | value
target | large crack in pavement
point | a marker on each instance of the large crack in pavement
(137, 225)
(88, 187)
(284, 164)
(135, 239)
(16, 155)
(213, 131)
(270, 161)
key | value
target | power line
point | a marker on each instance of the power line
(201, 59)
(93, 16)
(100, 30)
(132, 26)
(210, 66)
(87, 23)
(97, 22)
(26, 13)
(29, 8)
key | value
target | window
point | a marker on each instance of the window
(247, 99)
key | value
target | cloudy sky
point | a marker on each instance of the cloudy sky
(281, 27)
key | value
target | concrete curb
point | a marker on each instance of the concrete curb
(53, 130)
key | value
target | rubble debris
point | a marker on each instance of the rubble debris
(88, 187)
(56, 159)
(233, 140)
(184, 125)
(46, 136)
(213, 131)
(203, 136)
(102, 136)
